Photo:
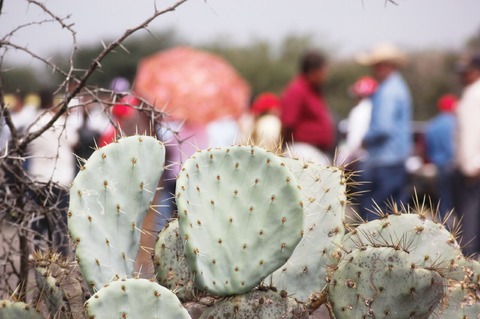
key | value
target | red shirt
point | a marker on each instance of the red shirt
(306, 115)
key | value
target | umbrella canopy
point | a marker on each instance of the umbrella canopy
(192, 85)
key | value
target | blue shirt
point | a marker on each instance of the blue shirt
(439, 136)
(389, 138)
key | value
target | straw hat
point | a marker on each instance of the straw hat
(384, 52)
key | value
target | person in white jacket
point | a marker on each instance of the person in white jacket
(52, 163)
(359, 116)
(468, 155)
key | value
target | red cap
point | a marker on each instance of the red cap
(124, 108)
(365, 86)
(447, 103)
(265, 102)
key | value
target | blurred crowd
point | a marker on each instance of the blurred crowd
(378, 139)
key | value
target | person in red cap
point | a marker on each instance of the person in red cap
(439, 138)
(266, 126)
(359, 117)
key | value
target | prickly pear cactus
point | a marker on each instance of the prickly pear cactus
(383, 282)
(257, 304)
(60, 285)
(134, 298)
(461, 302)
(108, 202)
(171, 264)
(324, 198)
(430, 243)
(18, 310)
(241, 216)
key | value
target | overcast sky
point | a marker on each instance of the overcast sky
(347, 25)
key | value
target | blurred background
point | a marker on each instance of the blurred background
(261, 39)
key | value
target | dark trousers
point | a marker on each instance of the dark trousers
(382, 184)
(467, 204)
(53, 226)
(445, 190)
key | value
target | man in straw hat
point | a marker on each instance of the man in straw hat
(388, 139)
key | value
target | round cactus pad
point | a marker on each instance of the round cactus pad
(241, 216)
(135, 298)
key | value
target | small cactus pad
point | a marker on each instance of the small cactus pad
(430, 243)
(257, 304)
(463, 297)
(383, 282)
(324, 198)
(134, 298)
(461, 302)
(170, 263)
(109, 199)
(18, 310)
(241, 216)
(60, 285)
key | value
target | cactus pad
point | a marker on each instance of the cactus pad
(134, 298)
(324, 198)
(108, 202)
(18, 310)
(60, 285)
(430, 243)
(241, 216)
(171, 265)
(257, 304)
(383, 282)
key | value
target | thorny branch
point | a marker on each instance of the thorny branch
(22, 198)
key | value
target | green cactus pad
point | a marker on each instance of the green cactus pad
(460, 303)
(463, 297)
(324, 198)
(241, 216)
(383, 282)
(134, 298)
(430, 243)
(108, 202)
(257, 304)
(171, 265)
(18, 310)
(60, 285)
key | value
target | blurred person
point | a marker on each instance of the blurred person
(308, 126)
(468, 155)
(265, 128)
(53, 163)
(439, 137)
(124, 114)
(388, 140)
(359, 116)
(22, 115)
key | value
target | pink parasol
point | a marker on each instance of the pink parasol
(192, 85)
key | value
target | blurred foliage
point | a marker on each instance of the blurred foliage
(473, 43)
(123, 61)
(267, 66)
(21, 80)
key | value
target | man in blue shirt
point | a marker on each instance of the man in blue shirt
(439, 137)
(388, 140)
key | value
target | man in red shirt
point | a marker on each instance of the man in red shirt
(305, 116)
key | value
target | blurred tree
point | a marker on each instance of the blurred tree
(22, 80)
(473, 43)
(267, 67)
(430, 74)
(120, 62)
